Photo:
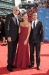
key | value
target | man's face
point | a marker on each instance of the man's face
(16, 11)
(34, 16)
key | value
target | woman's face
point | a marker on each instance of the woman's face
(25, 17)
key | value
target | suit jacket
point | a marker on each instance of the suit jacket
(37, 34)
(1, 25)
(11, 27)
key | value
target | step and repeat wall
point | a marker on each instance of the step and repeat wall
(43, 15)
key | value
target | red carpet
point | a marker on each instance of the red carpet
(33, 71)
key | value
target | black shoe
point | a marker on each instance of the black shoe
(9, 69)
(3, 44)
(38, 67)
(30, 66)
(13, 66)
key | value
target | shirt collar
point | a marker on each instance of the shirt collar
(35, 21)
(16, 16)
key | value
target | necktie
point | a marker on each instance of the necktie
(34, 25)
(17, 20)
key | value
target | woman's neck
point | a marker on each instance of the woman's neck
(25, 21)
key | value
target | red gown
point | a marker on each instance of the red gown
(22, 56)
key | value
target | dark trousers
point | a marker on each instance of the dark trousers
(0, 36)
(37, 46)
(11, 52)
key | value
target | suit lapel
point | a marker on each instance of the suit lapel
(14, 19)
(37, 24)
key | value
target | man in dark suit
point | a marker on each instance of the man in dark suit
(36, 39)
(1, 28)
(11, 30)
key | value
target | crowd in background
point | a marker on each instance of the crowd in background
(43, 5)
(35, 8)
(29, 12)
(2, 30)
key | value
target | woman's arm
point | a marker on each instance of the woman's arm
(19, 27)
(29, 29)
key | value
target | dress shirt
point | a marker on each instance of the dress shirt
(35, 22)
(16, 19)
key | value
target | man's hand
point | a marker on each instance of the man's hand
(41, 43)
(9, 39)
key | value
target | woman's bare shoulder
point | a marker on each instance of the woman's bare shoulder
(29, 23)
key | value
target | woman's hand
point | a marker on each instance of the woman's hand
(25, 42)
(9, 39)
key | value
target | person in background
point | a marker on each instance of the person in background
(47, 3)
(36, 40)
(44, 4)
(11, 30)
(29, 12)
(39, 5)
(3, 31)
(0, 29)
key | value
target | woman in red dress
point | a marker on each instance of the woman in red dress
(22, 55)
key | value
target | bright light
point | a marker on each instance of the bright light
(30, 0)
(17, 2)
